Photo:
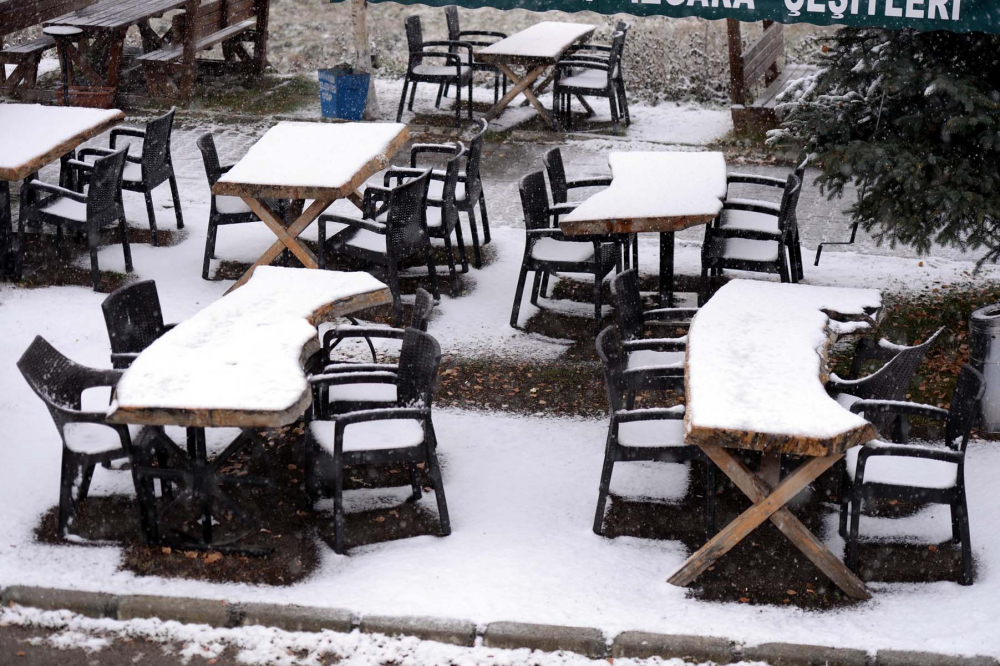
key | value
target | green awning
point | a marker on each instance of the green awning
(926, 15)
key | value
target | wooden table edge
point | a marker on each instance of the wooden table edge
(18, 173)
(259, 191)
(236, 418)
(631, 225)
(530, 61)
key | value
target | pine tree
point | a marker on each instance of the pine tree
(913, 119)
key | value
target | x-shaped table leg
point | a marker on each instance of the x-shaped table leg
(287, 236)
(770, 504)
(522, 84)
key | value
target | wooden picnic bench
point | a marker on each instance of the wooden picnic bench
(18, 15)
(759, 64)
(230, 23)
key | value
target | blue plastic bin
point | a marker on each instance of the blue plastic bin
(342, 93)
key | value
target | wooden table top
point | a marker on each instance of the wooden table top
(653, 192)
(239, 362)
(542, 43)
(756, 367)
(116, 14)
(33, 135)
(302, 160)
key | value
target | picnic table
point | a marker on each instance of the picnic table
(298, 161)
(534, 50)
(33, 136)
(237, 363)
(106, 24)
(756, 366)
(662, 192)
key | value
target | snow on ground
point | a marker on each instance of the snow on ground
(521, 490)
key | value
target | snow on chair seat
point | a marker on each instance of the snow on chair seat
(67, 209)
(647, 434)
(904, 471)
(370, 435)
(363, 393)
(550, 249)
(440, 70)
(436, 190)
(742, 249)
(751, 220)
(591, 78)
(650, 359)
(91, 438)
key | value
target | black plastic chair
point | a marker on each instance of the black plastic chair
(932, 473)
(348, 397)
(155, 167)
(88, 212)
(469, 191)
(890, 382)
(442, 210)
(401, 434)
(560, 188)
(580, 74)
(642, 434)
(224, 210)
(742, 219)
(134, 320)
(456, 34)
(87, 437)
(652, 363)
(546, 249)
(763, 246)
(386, 244)
(456, 70)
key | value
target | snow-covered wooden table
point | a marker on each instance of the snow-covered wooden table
(661, 192)
(756, 365)
(31, 136)
(237, 363)
(298, 161)
(534, 49)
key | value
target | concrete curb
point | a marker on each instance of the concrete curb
(586, 641)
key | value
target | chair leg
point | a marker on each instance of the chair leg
(126, 248)
(486, 219)
(413, 94)
(615, 124)
(397, 302)
(845, 501)
(95, 272)
(177, 200)
(458, 105)
(437, 102)
(451, 264)
(544, 290)
(434, 472)
(210, 248)
(152, 216)
(460, 239)
(605, 487)
(852, 539)
(623, 102)
(535, 285)
(414, 483)
(67, 496)
(470, 98)
(402, 100)
(518, 295)
(86, 477)
(597, 300)
(635, 251)
(432, 269)
(338, 506)
(496, 87)
(476, 252)
(966, 578)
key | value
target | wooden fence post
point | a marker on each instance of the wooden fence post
(188, 63)
(363, 54)
(737, 82)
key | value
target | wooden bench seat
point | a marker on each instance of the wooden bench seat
(35, 46)
(18, 15)
(172, 53)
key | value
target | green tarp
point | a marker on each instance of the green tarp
(953, 15)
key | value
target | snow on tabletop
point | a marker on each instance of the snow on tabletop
(547, 39)
(754, 355)
(30, 131)
(243, 351)
(302, 154)
(658, 184)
